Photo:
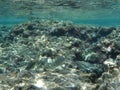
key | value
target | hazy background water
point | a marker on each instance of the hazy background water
(95, 12)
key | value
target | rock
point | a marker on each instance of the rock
(1, 71)
(58, 88)
(92, 58)
(105, 31)
(58, 31)
(78, 56)
(68, 45)
(76, 43)
(73, 88)
(18, 31)
(109, 63)
(100, 81)
(59, 60)
(118, 60)
(115, 72)
(50, 63)
(105, 87)
(31, 27)
(26, 34)
(30, 65)
(89, 68)
(47, 52)
(106, 76)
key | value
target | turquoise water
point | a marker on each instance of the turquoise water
(97, 21)
(12, 21)
(13, 12)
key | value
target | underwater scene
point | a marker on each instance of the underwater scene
(59, 44)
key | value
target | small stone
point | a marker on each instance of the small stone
(110, 63)
(31, 27)
(59, 60)
(76, 43)
(1, 71)
(67, 45)
(47, 52)
(105, 86)
(118, 60)
(115, 72)
(18, 31)
(58, 88)
(100, 80)
(30, 65)
(106, 75)
(73, 88)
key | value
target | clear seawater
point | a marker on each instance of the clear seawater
(15, 12)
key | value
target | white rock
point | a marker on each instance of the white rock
(110, 62)
(40, 84)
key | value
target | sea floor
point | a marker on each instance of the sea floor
(57, 55)
(59, 45)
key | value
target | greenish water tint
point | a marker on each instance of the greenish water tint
(12, 21)
(97, 21)
(101, 13)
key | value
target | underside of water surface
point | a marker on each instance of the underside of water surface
(59, 44)
(100, 12)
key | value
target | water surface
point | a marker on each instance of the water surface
(88, 13)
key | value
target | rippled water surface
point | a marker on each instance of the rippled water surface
(100, 12)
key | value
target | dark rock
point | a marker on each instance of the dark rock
(105, 31)
(31, 27)
(76, 43)
(30, 65)
(92, 58)
(18, 31)
(118, 60)
(58, 32)
(1, 71)
(58, 88)
(90, 68)
(78, 56)
(32, 87)
(47, 52)
(73, 88)
(115, 50)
